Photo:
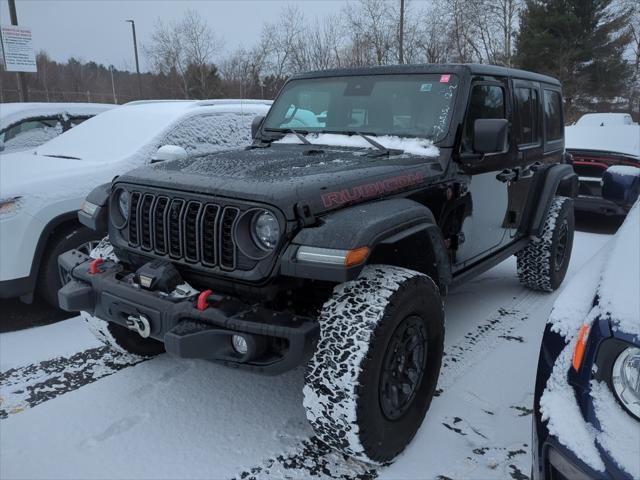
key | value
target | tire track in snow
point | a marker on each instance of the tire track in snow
(28, 386)
(313, 459)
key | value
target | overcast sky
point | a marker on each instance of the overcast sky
(96, 29)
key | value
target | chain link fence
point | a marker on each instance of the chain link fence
(12, 95)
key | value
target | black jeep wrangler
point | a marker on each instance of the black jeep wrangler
(333, 239)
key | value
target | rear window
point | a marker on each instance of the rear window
(527, 108)
(552, 115)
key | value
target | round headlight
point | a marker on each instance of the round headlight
(123, 203)
(265, 230)
(626, 379)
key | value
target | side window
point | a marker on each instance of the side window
(209, 133)
(527, 108)
(487, 101)
(552, 115)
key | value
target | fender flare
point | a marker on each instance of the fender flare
(379, 224)
(559, 179)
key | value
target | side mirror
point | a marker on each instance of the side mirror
(621, 184)
(490, 135)
(169, 152)
(256, 123)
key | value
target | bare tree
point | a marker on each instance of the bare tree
(179, 48)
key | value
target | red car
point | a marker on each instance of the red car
(596, 142)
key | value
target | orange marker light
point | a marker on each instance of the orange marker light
(356, 256)
(581, 346)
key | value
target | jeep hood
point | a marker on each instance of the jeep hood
(285, 175)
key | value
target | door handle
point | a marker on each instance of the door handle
(507, 175)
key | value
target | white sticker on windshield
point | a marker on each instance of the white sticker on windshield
(425, 87)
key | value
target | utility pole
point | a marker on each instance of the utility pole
(22, 80)
(401, 49)
(135, 50)
(113, 85)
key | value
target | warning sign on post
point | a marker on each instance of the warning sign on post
(17, 49)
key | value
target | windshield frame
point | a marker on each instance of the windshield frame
(271, 133)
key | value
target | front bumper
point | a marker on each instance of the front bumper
(279, 341)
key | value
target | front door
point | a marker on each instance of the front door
(484, 229)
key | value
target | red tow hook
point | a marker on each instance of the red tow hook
(93, 266)
(203, 298)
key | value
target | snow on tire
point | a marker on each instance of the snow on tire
(386, 320)
(543, 264)
(120, 338)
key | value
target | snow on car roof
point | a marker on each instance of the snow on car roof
(604, 119)
(11, 113)
(123, 131)
(624, 139)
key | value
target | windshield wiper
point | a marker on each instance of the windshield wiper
(67, 157)
(383, 150)
(300, 136)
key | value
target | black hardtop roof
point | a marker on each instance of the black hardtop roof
(459, 68)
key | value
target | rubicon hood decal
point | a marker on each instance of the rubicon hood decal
(371, 190)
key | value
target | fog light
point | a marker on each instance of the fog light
(239, 344)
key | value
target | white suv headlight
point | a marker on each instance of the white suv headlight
(10, 206)
(626, 379)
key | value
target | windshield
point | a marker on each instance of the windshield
(402, 105)
(115, 134)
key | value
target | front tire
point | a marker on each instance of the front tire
(51, 278)
(373, 375)
(543, 264)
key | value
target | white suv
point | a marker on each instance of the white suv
(42, 190)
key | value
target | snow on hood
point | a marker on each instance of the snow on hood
(604, 119)
(123, 131)
(613, 275)
(620, 280)
(11, 113)
(414, 146)
(619, 434)
(624, 139)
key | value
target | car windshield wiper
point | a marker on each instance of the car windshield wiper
(67, 157)
(383, 150)
(298, 134)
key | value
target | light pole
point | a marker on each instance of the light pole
(401, 42)
(135, 50)
(22, 81)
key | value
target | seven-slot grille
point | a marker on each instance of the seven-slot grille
(190, 230)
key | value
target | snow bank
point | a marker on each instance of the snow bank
(414, 146)
(620, 433)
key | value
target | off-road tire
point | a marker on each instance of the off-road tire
(342, 395)
(121, 338)
(49, 281)
(539, 267)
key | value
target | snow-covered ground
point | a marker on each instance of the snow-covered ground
(69, 408)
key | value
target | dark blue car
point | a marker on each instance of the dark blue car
(586, 422)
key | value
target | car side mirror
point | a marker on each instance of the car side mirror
(169, 152)
(256, 123)
(621, 184)
(490, 135)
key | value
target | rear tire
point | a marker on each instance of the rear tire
(50, 278)
(543, 264)
(121, 338)
(374, 372)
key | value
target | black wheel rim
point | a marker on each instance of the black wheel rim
(403, 367)
(561, 244)
(63, 273)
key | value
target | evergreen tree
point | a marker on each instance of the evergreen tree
(581, 42)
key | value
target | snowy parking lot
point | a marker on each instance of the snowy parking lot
(71, 408)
